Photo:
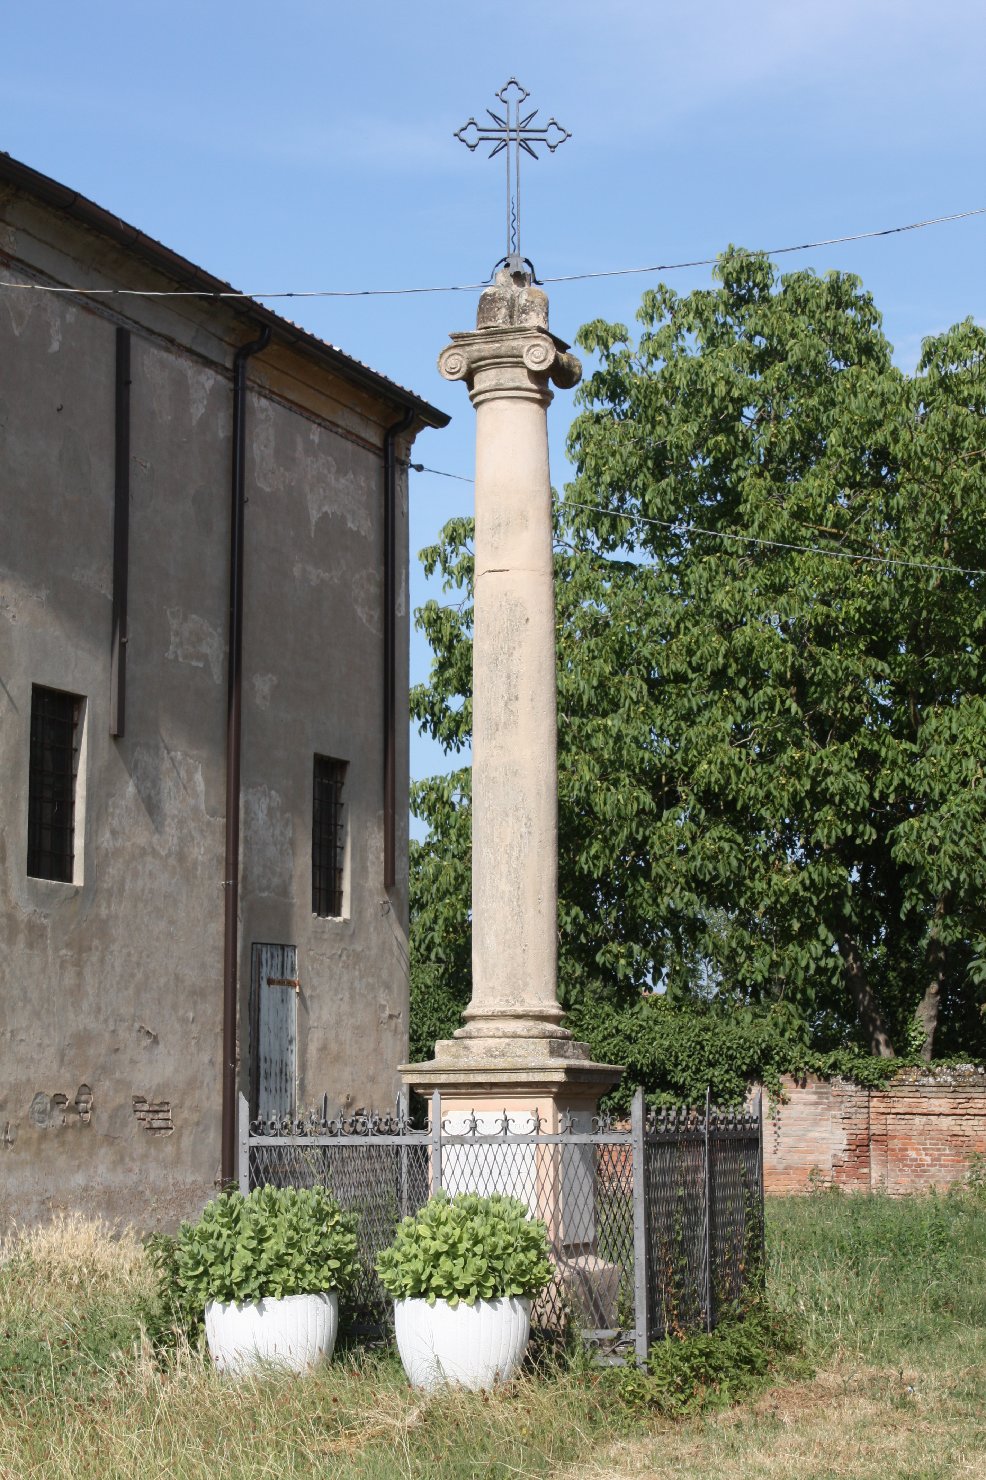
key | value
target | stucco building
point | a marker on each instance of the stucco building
(165, 463)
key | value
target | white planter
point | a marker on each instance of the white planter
(294, 1331)
(472, 1346)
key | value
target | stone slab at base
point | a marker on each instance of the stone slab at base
(590, 1288)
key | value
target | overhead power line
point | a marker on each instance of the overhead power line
(420, 468)
(571, 277)
(752, 539)
(831, 241)
(724, 534)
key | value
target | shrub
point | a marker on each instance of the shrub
(277, 1241)
(467, 1248)
(709, 1369)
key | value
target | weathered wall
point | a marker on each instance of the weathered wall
(919, 1131)
(313, 634)
(111, 987)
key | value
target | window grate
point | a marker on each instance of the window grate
(328, 836)
(55, 726)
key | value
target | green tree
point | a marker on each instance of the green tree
(772, 687)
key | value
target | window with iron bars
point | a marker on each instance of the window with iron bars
(328, 836)
(56, 723)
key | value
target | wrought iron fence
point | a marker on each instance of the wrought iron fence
(656, 1225)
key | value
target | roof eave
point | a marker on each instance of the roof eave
(188, 274)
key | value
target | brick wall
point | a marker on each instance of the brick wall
(918, 1131)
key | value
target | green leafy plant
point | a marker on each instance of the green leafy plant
(467, 1248)
(170, 1315)
(277, 1241)
(711, 1369)
(975, 1181)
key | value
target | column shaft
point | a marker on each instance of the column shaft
(514, 816)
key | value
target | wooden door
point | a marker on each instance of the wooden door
(273, 1031)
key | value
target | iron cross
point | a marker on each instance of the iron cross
(509, 134)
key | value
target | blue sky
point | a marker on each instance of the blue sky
(309, 145)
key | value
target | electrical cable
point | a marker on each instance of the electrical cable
(572, 277)
(724, 534)
(420, 468)
(832, 241)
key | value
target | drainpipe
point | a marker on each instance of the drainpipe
(231, 871)
(390, 647)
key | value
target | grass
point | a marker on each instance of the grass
(355, 1418)
(887, 1299)
(882, 1279)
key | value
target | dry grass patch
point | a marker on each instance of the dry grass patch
(849, 1423)
(80, 1254)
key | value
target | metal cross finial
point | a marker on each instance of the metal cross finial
(509, 134)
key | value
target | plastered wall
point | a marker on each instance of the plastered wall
(111, 986)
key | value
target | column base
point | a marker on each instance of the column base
(513, 1023)
(549, 1076)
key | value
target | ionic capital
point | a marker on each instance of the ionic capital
(509, 362)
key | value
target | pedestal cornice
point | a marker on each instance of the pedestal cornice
(550, 1078)
(524, 1066)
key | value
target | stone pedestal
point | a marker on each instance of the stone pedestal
(545, 1088)
(511, 1054)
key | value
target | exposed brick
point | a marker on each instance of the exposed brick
(156, 1118)
(918, 1131)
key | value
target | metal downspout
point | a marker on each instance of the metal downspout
(390, 648)
(121, 538)
(231, 871)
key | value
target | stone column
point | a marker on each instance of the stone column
(511, 1053)
(506, 364)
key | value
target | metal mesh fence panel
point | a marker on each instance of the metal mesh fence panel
(381, 1180)
(677, 1228)
(736, 1207)
(583, 1192)
(652, 1233)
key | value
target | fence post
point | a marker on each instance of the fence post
(402, 1177)
(762, 1209)
(641, 1281)
(243, 1131)
(708, 1218)
(436, 1142)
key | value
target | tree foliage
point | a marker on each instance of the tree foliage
(772, 686)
